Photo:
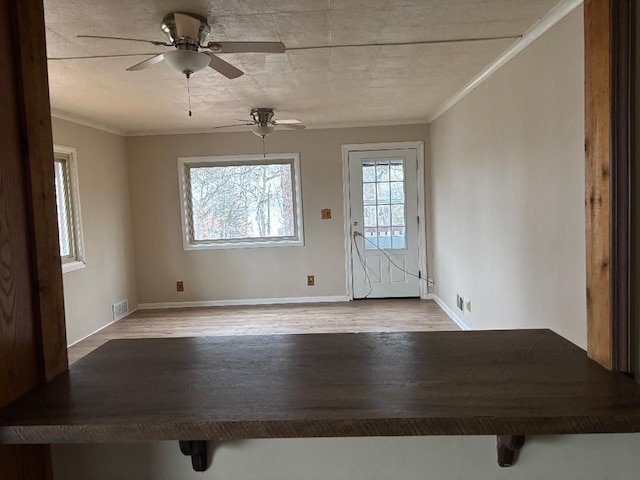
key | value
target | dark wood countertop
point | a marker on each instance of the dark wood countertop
(327, 385)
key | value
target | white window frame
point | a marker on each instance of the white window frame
(77, 260)
(185, 163)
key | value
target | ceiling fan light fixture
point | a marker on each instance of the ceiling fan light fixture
(187, 61)
(263, 130)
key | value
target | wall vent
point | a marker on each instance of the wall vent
(120, 309)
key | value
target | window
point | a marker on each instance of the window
(241, 201)
(383, 202)
(68, 208)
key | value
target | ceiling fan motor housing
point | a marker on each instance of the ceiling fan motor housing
(263, 120)
(262, 116)
(169, 27)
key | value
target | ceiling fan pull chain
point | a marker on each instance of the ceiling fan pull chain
(189, 92)
(264, 152)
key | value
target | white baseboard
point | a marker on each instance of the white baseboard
(102, 328)
(247, 301)
(452, 315)
(429, 296)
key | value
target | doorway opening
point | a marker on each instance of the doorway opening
(384, 220)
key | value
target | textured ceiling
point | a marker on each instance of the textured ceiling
(321, 87)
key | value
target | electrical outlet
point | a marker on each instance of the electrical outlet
(326, 213)
(311, 280)
(180, 286)
(460, 302)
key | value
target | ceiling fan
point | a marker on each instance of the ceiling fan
(187, 34)
(263, 123)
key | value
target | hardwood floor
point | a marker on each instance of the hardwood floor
(389, 315)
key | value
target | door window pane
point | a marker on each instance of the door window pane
(397, 215)
(383, 195)
(384, 215)
(369, 172)
(370, 217)
(397, 238)
(370, 238)
(397, 192)
(397, 171)
(382, 171)
(369, 193)
(384, 238)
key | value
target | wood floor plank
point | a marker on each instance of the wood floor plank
(389, 315)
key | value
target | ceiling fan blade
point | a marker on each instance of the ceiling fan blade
(187, 26)
(288, 121)
(146, 63)
(121, 55)
(247, 47)
(224, 68)
(295, 126)
(152, 42)
(237, 125)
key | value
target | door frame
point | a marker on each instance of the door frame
(418, 146)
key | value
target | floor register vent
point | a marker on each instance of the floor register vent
(120, 309)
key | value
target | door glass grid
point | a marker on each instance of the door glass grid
(383, 201)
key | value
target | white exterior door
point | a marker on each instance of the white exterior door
(384, 223)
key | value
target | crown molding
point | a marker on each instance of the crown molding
(536, 31)
(86, 123)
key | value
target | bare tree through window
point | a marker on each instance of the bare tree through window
(235, 201)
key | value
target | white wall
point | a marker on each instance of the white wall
(508, 191)
(569, 457)
(246, 273)
(109, 276)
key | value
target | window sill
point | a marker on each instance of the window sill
(71, 266)
(217, 246)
